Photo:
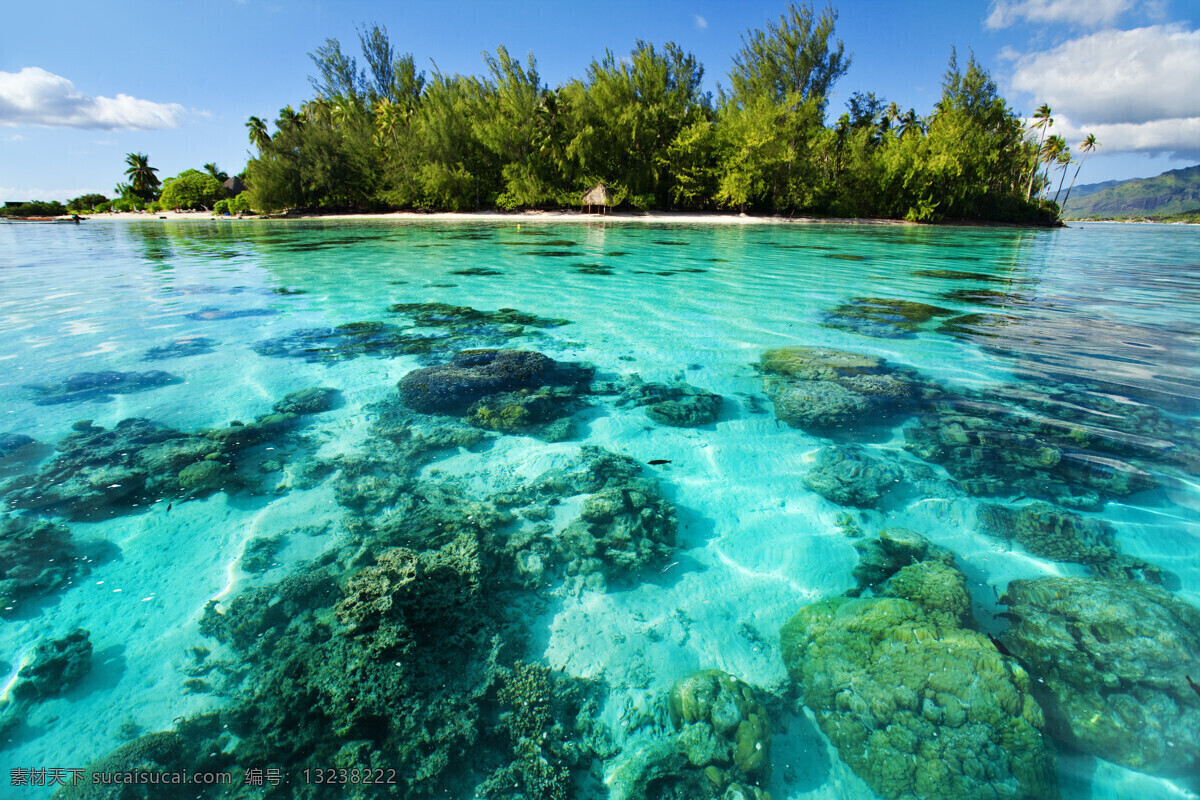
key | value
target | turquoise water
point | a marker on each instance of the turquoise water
(1036, 420)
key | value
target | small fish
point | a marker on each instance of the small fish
(1192, 683)
(654, 462)
(169, 506)
(1000, 646)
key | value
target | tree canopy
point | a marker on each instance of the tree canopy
(386, 136)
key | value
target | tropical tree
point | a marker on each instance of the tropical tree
(1064, 161)
(258, 133)
(795, 57)
(142, 180)
(216, 172)
(1086, 146)
(1041, 121)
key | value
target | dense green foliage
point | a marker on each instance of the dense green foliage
(191, 189)
(86, 202)
(1171, 193)
(388, 137)
(34, 208)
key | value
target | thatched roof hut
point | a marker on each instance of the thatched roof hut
(596, 196)
(234, 186)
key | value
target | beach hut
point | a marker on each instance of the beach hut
(596, 196)
(234, 186)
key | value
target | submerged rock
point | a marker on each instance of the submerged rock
(99, 386)
(181, 348)
(473, 375)
(915, 704)
(848, 476)
(533, 412)
(1052, 533)
(312, 400)
(820, 389)
(1115, 657)
(993, 450)
(722, 724)
(139, 461)
(882, 557)
(36, 557)
(348, 341)
(13, 443)
(678, 405)
(885, 318)
(56, 665)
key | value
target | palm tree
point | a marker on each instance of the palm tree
(142, 180)
(1086, 146)
(1042, 121)
(1051, 150)
(216, 172)
(258, 133)
(1064, 161)
(908, 122)
(288, 118)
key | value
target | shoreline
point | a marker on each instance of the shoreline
(624, 217)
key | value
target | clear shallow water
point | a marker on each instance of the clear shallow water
(1108, 312)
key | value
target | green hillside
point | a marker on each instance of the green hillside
(1174, 192)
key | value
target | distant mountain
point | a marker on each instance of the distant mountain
(1173, 192)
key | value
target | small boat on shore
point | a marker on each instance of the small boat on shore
(75, 220)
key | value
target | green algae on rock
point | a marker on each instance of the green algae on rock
(1115, 656)
(916, 705)
(819, 389)
(722, 724)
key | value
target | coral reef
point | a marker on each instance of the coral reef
(36, 557)
(1060, 535)
(884, 318)
(722, 724)
(347, 341)
(678, 405)
(550, 722)
(455, 327)
(57, 664)
(846, 475)
(99, 386)
(915, 704)
(997, 450)
(53, 667)
(139, 461)
(313, 400)
(894, 548)
(12, 443)
(398, 674)
(1115, 658)
(472, 375)
(820, 389)
(444, 315)
(541, 412)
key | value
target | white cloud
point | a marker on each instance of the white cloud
(1138, 86)
(701, 22)
(34, 96)
(1118, 76)
(1178, 136)
(1088, 13)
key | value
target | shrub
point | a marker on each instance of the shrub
(221, 208)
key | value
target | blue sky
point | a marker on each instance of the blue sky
(83, 83)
